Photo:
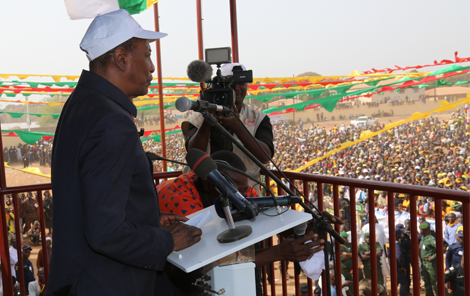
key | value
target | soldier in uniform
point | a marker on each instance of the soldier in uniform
(365, 288)
(403, 248)
(346, 259)
(456, 276)
(428, 257)
(365, 255)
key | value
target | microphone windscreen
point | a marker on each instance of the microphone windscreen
(183, 104)
(199, 71)
(300, 229)
(200, 162)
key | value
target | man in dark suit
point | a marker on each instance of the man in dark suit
(109, 235)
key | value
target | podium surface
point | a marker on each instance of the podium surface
(209, 249)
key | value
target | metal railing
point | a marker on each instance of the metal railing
(308, 181)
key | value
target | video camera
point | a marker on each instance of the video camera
(221, 92)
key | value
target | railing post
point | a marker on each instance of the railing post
(321, 208)
(392, 241)
(466, 237)
(19, 236)
(355, 259)
(5, 252)
(271, 272)
(439, 248)
(309, 280)
(414, 245)
(337, 244)
(43, 236)
(373, 249)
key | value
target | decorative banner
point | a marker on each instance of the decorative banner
(444, 106)
(329, 103)
(80, 9)
(29, 170)
(443, 62)
(157, 138)
(30, 137)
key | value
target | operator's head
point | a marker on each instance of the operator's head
(118, 50)
(239, 88)
(224, 159)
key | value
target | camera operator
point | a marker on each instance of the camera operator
(198, 133)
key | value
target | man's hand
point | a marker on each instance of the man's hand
(367, 291)
(230, 122)
(332, 219)
(184, 235)
(346, 283)
(167, 219)
(429, 259)
(296, 250)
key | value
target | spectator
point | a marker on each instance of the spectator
(34, 234)
(28, 269)
(38, 287)
(40, 260)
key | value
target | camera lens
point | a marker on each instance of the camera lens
(220, 99)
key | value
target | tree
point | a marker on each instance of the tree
(308, 74)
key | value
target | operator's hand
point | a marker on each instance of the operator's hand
(296, 250)
(184, 235)
(231, 121)
(167, 219)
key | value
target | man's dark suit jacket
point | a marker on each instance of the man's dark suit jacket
(106, 237)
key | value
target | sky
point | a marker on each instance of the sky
(277, 38)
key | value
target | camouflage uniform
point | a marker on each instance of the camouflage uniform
(346, 263)
(364, 284)
(429, 267)
(364, 247)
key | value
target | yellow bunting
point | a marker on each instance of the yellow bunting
(29, 170)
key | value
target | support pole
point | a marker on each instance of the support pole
(200, 44)
(160, 88)
(234, 30)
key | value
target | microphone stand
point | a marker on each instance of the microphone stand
(320, 224)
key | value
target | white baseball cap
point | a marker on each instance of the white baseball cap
(226, 69)
(109, 30)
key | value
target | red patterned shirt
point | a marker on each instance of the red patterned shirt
(180, 195)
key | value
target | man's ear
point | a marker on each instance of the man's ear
(121, 58)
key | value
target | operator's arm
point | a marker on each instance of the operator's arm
(198, 137)
(263, 136)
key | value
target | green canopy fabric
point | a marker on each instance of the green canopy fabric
(29, 137)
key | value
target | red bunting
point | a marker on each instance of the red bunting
(147, 133)
(436, 63)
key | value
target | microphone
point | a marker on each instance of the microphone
(259, 203)
(199, 71)
(184, 104)
(300, 229)
(205, 167)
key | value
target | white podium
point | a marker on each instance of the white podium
(239, 278)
